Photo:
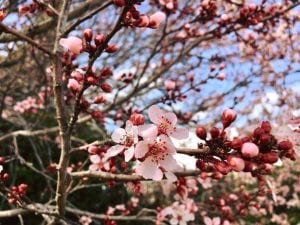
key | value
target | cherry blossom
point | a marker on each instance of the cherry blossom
(164, 124)
(157, 155)
(98, 163)
(73, 44)
(126, 138)
(156, 19)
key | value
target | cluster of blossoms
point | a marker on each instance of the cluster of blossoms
(150, 144)
(16, 193)
(31, 104)
(179, 213)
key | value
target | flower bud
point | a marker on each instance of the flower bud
(170, 85)
(119, 3)
(214, 132)
(73, 85)
(228, 117)
(236, 143)
(111, 48)
(99, 99)
(236, 163)
(91, 80)
(270, 157)
(93, 149)
(222, 167)
(285, 145)
(106, 72)
(137, 119)
(97, 114)
(88, 34)
(201, 132)
(106, 88)
(258, 132)
(265, 139)
(266, 126)
(249, 150)
(99, 39)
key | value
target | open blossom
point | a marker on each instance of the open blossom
(73, 44)
(126, 138)
(164, 124)
(157, 154)
(98, 163)
(180, 214)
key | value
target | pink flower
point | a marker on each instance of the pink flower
(73, 85)
(126, 138)
(157, 154)
(165, 124)
(98, 163)
(156, 19)
(180, 214)
(250, 150)
(214, 221)
(73, 44)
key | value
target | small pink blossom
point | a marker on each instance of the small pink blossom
(250, 150)
(157, 154)
(213, 221)
(126, 139)
(74, 85)
(164, 124)
(98, 163)
(73, 44)
(156, 19)
(170, 85)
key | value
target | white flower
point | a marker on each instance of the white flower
(126, 138)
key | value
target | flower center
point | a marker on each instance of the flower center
(157, 151)
(165, 126)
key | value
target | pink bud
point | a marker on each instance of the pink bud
(222, 167)
(91, 80)
(93, 149)
(170, 85)
(221, 76)
(88, 34)
(137, 119)
(111, 48)
(99, 99)
(249, 150)
(285, 145)
(99, 39)
(77, 75)
(228, 117)
(156, 19)
(270, 157)
(106, 72)
(236, 163)
(73, 85)
(106, 88)
(201, 132)
(214, 132)
(119, 3)
(143, 21)
(224, 17)
(73, 44)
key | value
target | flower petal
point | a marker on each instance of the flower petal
(141, 149)
(94, 167)
(129, 153)
(171, 176)
(119, 135)
(149, 170)
(113, 151)
(74, 44)
(207, 220)
(171, 117)
(148, 131)
(155, 114)
(180, 133)
(168, 163)
(95, 159)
